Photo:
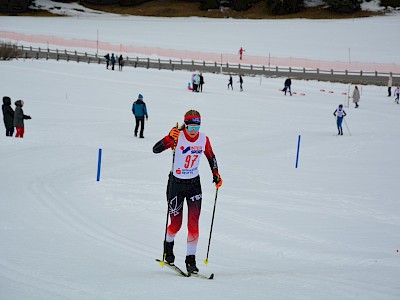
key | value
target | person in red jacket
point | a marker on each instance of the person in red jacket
(184, 182)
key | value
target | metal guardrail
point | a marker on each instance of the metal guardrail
(342, 76)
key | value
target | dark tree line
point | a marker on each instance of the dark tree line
(275, 7)
(14, 6)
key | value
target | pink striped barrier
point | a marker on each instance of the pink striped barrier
(202, 56)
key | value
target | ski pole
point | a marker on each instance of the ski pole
(169, 189)
(345, 123)
(212, 223)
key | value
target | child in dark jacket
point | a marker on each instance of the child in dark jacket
(19, 118)
(8, 116)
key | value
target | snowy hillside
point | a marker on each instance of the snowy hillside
(329, 229)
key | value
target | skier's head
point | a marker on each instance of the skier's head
(340, 106)
(192, 117)
(140, 97)
(192, 122)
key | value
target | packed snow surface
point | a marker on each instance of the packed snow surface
(329, 229)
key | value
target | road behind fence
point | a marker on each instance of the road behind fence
(345, 76)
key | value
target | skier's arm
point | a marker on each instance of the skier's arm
(212, 161)
(166, 143)
(213, 164)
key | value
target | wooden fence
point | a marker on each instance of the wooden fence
(343, 76)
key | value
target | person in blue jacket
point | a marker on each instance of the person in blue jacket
(140, 111)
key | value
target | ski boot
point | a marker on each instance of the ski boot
(169, 252)
(191, 264)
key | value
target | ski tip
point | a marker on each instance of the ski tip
(161, 262)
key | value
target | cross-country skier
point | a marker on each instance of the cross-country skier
(397, 94)
(339, 113)
(184, 182)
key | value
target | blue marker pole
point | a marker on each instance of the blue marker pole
(298, 150)
(99, 165)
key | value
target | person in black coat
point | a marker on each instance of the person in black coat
(120, 62)
(8, 116)
(288, 84)
(107, 57)
(201, 82)
(113, 60)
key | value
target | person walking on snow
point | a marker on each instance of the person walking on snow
(230, 82)
(140, 112)
(19, 118)
(339, 113)
(8, 116)
(184, 182)
(356, 96)
(241, 82)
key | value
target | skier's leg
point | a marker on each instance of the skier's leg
(175, 206)
(193, 199)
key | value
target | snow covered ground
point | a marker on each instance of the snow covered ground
(329, 229)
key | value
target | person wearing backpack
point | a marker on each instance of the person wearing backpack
(140, 112)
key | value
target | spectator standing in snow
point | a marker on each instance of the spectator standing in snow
(193, 75)
(390, 84)
(288, 86)
(107, 57)
(8, 116)
(241, 82)
(230, 82)
(120, 62)
(140, 112)
(113, 61)
(339, 113)
(201, 82)
(19, 118)
(196, 83)
(397, 94)
(356, 96)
